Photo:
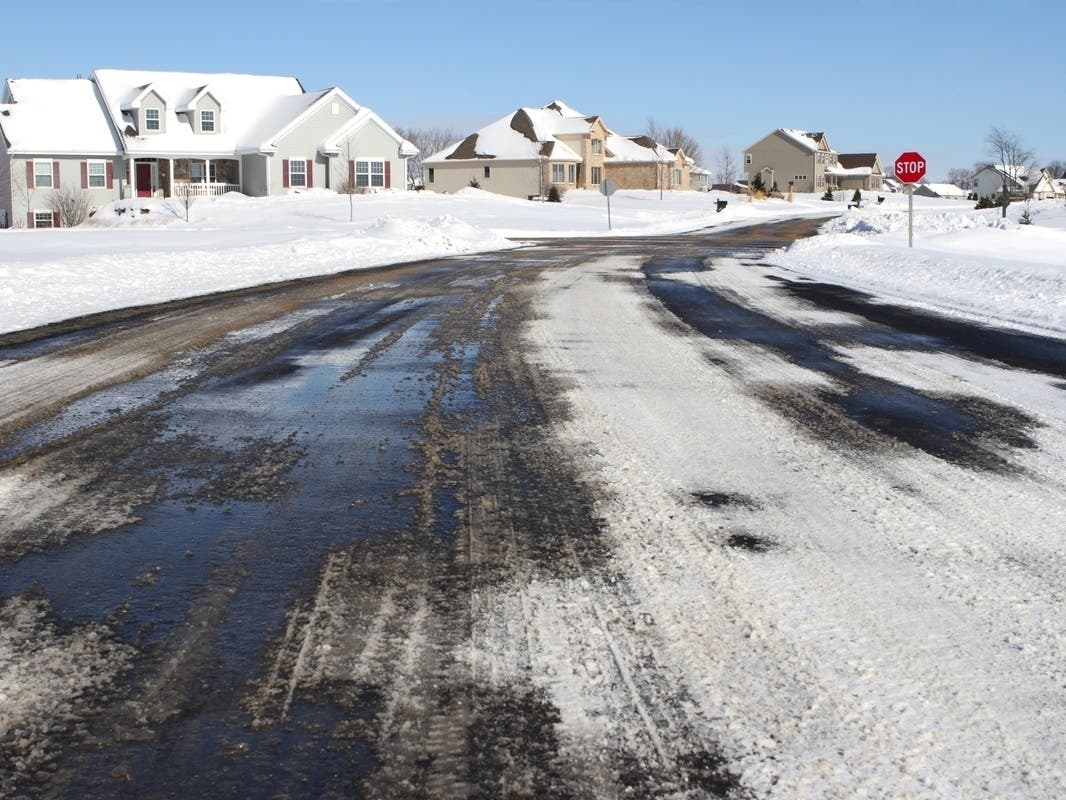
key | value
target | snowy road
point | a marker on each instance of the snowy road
(623, 518)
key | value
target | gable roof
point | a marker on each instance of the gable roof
(364, 117)
(56, 117)
(528, 133)
(251, 105)
(808, 141)
(637, 149)
(857, 160)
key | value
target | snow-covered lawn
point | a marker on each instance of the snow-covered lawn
(963, 260)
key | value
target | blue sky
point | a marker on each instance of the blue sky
(931, 76)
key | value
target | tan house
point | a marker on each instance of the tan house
(527, 153)
(639, 162)
(791, 156)
(857, 171)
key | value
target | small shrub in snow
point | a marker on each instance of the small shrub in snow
(554, 196)
(828, 194)
(73, 205)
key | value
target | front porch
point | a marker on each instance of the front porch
(191, 177)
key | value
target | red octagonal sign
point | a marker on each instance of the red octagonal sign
(910, 167)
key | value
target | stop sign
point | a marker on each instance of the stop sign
(910, 167)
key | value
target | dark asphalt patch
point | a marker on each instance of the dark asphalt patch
(750, 542)
(723, 499)
(963, 430)
(1036, 353)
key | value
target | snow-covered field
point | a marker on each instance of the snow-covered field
(963, 259)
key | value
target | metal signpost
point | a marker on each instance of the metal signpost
(910, 168)
(607, 188)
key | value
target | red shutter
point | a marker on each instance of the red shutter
(388, 174)
(310, 174)
(351, 176)
(29, 219)
(55, 219)
(84, 174)
(284, 173)
(55, 174)
(29, 177)
(110, 168)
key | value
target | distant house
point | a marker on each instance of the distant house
(530, 151)
(787, 156)
(1042, 186)
(128, 133)
(858, 171)
(945, 191)
(699, 179)
(1060, 187)
(988, 182)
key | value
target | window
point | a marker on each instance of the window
(675, 178)
(207, 122)
(196, 172)
(431, 175)
(488, 172)
(370, 173)
(297, 172)
(596, 175)
(571, 173)
(747, 158)
(97, 174)
(152, 120)
(42, 174)
(597, 147)
(3, 219)
(42, 219)
(558, 173)
(801, 177)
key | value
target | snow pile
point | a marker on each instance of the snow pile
(964, 262)
(48, 680)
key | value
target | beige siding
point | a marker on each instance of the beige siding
(373, 143)
(254, 169)
(512, 178)
(789, 162)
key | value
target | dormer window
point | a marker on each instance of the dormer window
(152, 120)
(207, 121)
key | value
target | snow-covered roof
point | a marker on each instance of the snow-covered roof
(254, 108)
(56, 117)
(364, 117)
(807, 140)
(843, 172)
(635, 149)
(1013, 171)
(528, 133)
(946, 189)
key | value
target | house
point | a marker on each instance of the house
(787, 156)
(527, 153)
(53, 134)
(858, 171)
(639, 162)
(699, 179)
(1042, 186)
(945, 191)
(1060, 187)
(988, 182)
(129, 133)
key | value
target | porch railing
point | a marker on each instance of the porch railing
(204, 189)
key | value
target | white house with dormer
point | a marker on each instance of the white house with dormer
(130, 133)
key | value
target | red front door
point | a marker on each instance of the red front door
(144, 180)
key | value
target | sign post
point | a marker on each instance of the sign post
(607, 188)
(910, 168)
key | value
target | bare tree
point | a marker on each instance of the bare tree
(727, 168)
(1010, 156)
(184, 196)
(428, 141)
(344, 181)
(73, 205)
(961, 177)
(1057, 168)
(675, 137)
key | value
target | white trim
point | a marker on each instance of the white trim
(303, 173)
(369, 172)
(214, 120)
(89, 175)
(51, 174)
(159, 120)
(48, 213)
